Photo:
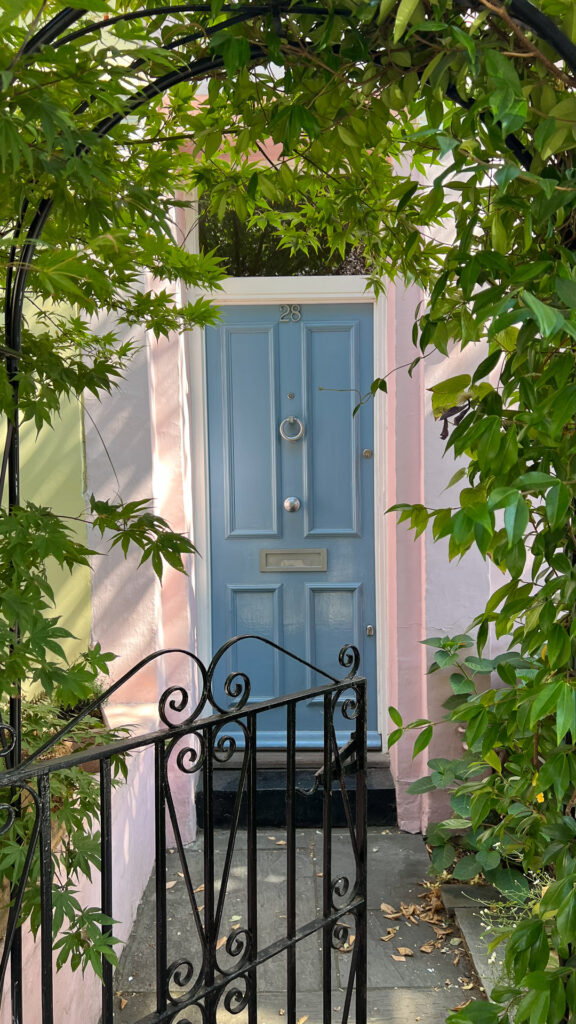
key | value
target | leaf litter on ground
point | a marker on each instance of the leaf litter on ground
(430, 910)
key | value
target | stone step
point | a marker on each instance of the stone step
(309, 801)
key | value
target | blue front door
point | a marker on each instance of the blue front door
(292, 497)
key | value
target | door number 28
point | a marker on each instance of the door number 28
(289, 313)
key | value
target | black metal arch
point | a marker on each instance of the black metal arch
(59, 32)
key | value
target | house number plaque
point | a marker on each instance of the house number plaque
(290, 312)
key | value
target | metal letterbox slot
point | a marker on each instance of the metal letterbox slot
(294, 560)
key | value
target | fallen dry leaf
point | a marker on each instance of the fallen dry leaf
(390, 933)
(410, 909)
(200, 888)
(302, 1020)
(181, 873)
(221, 942)
(123, 1002)
(441, 932)
(282, 842)
(389, 912)
(402, 959)
(428, 947)
(170, 885)
(430, 918)
(461, 1006)
(387, 908)
(281, 1013)
(405, 951)
(200, 909)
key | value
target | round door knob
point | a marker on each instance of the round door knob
(291, 504)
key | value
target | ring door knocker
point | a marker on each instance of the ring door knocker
(292, 421)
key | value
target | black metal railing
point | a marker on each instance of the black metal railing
(196, 740)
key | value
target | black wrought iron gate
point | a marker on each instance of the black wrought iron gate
(196, 738)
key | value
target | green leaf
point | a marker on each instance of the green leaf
(477, 1012)
(394, 736)
(566, 291)
(460, 684)
(516, 518)
(545, 702)
(405, 11)
(534, 481)
(480, 806)
(423, 785)
(533, 1006)
(395, 716)
(448, 393)
(384, 9)
(491, 758)
(423, 740)
(558, 647)
(466, 868)
(515, 885)
(488, 859)
(566, 712)
(563, 409)
(483, 665)
(442, 858)
(558, 500)
(549, 320)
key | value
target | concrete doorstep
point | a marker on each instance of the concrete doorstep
(418, 964)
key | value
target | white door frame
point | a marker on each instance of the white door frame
(269, 291)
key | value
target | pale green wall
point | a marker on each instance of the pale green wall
(53, 475)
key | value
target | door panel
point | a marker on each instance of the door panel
(330, 462)
(303, 578)
(250, 485)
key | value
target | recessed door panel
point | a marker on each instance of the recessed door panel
(249, 408)
(332, 391)
(291, 498)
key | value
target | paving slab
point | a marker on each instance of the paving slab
(423, 987)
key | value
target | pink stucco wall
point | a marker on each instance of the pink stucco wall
(427, 595)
